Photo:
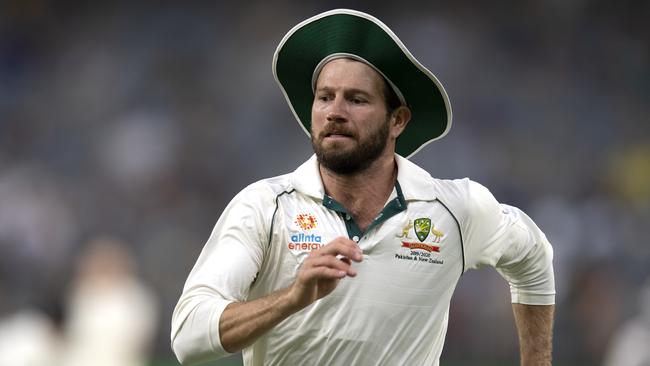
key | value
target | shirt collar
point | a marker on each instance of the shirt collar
(415, 182)
(306, 179)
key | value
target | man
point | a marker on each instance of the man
(352, 258)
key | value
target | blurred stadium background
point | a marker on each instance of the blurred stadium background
(126, 127)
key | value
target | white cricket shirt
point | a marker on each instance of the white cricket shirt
(394, 312)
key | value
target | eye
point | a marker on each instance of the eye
(357, 100)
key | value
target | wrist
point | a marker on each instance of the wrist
(292, 298)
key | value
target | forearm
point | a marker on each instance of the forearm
(242, 323)
(535, 329)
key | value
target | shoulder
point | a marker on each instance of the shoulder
(266, 189)
(455, 191)
(258, 199)
(253, 206)
(452, 189)
(465, 197)
(459, 195)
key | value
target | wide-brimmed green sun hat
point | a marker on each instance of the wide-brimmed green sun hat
(353, 34)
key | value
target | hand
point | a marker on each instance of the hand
(321, 272)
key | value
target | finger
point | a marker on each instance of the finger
(341, 247)
(331, 262)
(320, 273)
(345, 260)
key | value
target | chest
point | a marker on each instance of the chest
(416, 255)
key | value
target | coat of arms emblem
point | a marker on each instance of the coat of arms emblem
(422, 227)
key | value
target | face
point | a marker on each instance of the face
(351, 127)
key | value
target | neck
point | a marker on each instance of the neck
(363, 193)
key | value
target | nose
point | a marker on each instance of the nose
(336, 111)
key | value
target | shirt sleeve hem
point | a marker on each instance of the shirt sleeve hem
(215, 336)
(533, 299)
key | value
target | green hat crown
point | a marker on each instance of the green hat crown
(350, 33)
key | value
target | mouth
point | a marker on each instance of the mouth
(337, 135)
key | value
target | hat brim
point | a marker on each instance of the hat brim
(344, 31)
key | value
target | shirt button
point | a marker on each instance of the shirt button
(355, 238)
(348, 217)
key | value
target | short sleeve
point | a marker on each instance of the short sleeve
(504, 237)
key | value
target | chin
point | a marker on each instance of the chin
(342, 162)
(337, 147)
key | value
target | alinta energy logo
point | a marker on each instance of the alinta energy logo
(306, 221)
(303, 241)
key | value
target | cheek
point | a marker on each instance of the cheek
(314, 114)
(316, 123)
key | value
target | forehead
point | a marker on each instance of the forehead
(343, 73)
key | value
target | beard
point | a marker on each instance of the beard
(350, 161)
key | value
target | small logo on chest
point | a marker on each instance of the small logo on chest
(429, 241)
(306, 221)
(303, 241)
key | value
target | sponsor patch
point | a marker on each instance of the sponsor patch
(304, 241)
(427, 249)
(306, 221)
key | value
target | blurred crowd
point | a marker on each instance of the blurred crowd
(125, 129)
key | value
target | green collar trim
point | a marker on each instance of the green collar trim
(392, 208)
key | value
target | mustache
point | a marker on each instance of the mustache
(334, 129)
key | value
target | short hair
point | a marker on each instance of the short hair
(390, 97)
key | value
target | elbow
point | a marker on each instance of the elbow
(179, 343)
(195, 336)
(191, 348)
(195, 328)
(184, 342)
(187, 353)
(181, 352)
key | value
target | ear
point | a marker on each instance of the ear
(399, 119)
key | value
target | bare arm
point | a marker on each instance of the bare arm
(242, 323)
(535, 328)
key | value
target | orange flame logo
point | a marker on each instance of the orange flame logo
(306, 221)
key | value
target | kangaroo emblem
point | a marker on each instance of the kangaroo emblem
(437, 233)
(405, 230)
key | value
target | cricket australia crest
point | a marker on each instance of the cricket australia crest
(427, 249)
(422, 227)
